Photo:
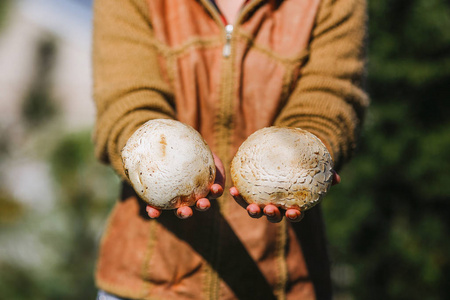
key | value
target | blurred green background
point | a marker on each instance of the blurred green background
(388, 221)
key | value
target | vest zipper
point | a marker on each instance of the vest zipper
(227, 47)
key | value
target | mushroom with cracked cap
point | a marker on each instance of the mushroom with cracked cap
(286, 167)
(168, 164)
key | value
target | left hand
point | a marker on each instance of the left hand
(202, 204)
(273, 213)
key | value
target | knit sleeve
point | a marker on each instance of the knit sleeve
(329, 100)
(128, 88)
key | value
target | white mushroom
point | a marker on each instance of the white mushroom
(169, 164)
(287, 167)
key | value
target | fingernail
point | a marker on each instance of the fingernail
(215, 189)
(233, 192)
(149, 213)
(252, 213)
(270, 213)
(293, 215)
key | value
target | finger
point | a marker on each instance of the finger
(184, 212)
(254, 211)
(153, 212)
(216, 191)
(202, 204)
(272, 213)
(294, 215)
(336, 178)
(237, 197)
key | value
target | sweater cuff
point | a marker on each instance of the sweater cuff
(331, 135)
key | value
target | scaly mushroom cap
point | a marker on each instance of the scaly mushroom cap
(287, 167)
(169, 164)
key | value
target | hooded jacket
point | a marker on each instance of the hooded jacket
(297, 63)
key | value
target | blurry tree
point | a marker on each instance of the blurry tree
(67, 236)
(61, 239)
(389, 220)
(87, 191)
(39, 106)
(3, 9)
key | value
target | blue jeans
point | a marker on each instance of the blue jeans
(102, 295)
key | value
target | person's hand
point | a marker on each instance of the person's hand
(273, 213)
(202, 204)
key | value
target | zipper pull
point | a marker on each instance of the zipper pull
(227, 47)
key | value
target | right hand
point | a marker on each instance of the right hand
(202, 204)
(273, 213)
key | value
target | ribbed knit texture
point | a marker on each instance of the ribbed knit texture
(128, 88)
(328, 99)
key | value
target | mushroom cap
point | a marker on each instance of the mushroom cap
(287, 167)
(169, 164)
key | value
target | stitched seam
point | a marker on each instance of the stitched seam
(287, 61)
(150, 247)
(210, 289)
(223, 134)
(280, 287)
(224, 120)
(207, 274)
(195, 42)
(214, 287)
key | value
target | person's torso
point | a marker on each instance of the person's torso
(228, 82)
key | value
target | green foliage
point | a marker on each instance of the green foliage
(4, 5)
(81, 180)
(390, 218)
(67, 236)
(38, 107)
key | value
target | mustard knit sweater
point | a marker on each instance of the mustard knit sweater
(328, 98)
